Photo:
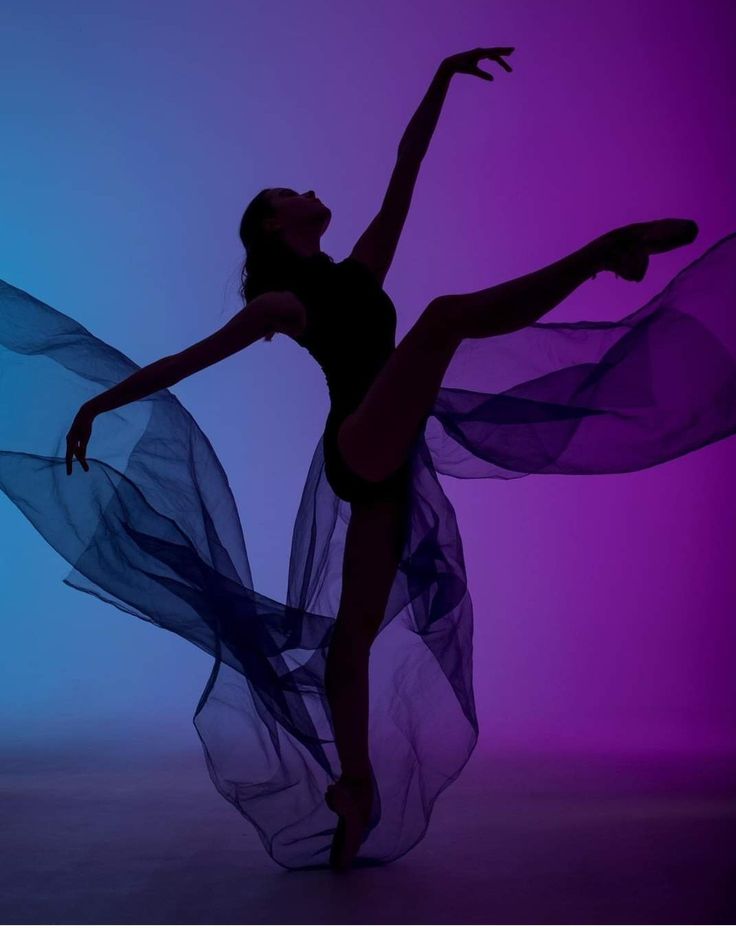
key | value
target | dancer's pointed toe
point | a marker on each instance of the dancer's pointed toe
(352, 800)
(626, 250)
(664, 235)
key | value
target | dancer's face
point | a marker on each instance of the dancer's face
(297, 212)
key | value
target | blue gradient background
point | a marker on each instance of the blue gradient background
(135, 133)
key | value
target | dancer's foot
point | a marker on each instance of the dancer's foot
(626, 250)
(352, 799)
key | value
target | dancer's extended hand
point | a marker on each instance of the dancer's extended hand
(467, 62)
(77, 439)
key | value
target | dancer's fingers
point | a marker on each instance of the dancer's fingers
(497, 53)
(497, 57)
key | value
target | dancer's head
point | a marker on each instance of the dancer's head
(300, 219)
(278, 227)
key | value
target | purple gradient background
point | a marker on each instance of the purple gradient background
(133, 136)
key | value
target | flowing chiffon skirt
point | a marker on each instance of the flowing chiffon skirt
(153, 529)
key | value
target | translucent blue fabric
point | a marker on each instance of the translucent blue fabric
(153, 529)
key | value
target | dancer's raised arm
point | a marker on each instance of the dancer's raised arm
(273, 311)
(377, 245)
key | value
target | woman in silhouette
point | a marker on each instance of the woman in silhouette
(153, 527)
(380, 394)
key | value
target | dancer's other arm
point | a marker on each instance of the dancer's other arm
(377, 245)
(275, 311)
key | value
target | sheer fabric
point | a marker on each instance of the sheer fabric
(153, 529)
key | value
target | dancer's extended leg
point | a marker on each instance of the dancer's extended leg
(377, 436)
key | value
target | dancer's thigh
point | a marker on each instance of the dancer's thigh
(375, 439)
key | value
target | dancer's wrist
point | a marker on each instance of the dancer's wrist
(90, 409)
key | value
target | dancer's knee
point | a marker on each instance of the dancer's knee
(441, 321)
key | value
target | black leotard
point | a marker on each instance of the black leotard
(350, 332)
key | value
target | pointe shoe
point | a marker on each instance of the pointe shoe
(628, 248)
(352, 800)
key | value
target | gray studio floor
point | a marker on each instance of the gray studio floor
(517, 839)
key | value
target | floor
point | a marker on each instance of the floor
(94, 838)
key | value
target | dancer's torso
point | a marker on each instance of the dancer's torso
(350, 328)
(350, 332)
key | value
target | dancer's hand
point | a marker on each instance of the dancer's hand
(467, 62)
(77, 439)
